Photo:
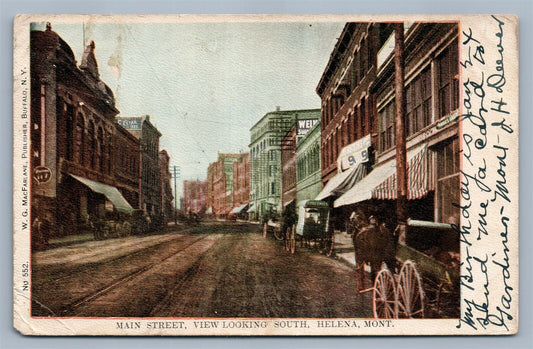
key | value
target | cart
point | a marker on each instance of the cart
(313, 226)
(428, 277)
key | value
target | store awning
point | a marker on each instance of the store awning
(110, 192)
(209, 210)
(342, 182)
(381, 182)
(238, 209)
(251, 209)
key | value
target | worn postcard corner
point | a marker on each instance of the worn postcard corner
(266, 175)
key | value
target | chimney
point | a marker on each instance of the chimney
(278, 108)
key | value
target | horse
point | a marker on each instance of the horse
(373, 244)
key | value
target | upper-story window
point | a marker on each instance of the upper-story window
(448, 80)
(386, 126)
(418, 102)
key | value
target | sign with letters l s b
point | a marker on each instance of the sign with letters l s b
(354, 154)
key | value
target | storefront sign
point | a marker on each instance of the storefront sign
(303, 126)
(42, 174)
(354, 154)
(130, 124)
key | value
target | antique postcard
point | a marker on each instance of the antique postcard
(259, 175)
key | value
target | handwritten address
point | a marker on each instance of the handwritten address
(488, 188)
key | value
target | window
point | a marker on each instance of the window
(386, 126)
(447, 174)
(80, 135)
(448, 80)
(70, 133)
(418, 102)
(273, 188)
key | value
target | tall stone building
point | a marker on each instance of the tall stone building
(74, 139)
(265, 152)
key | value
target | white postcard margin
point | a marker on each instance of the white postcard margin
(489, 193)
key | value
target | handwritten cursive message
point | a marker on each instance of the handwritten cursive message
(489, 188)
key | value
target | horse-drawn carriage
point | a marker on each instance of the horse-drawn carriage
(311, 226)
(420, 274)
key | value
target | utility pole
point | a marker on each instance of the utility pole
(176, 174)
(401, 149)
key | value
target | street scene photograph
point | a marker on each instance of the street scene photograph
(245, 169)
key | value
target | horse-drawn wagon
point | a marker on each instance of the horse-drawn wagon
(424, 278)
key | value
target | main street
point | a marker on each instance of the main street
(215, 269)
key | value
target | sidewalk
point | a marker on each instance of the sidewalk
(343, 248)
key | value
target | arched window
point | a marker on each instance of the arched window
(91, 141)
(80, 139)
(100, 149)
(69, 150)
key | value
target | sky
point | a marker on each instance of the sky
(205, 85)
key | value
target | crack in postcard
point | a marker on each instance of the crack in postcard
(265, 175)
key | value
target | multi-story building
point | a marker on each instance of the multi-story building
(431, 88)
(289, 158)
(308, 170)
(72, 137)
(165, 179)
(126, 164)
(148, 136)
(241, 184)
(265, 152)
(349, 130)
(194, 196)
(219, 186)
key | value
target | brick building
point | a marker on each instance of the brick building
(165, 180)
(349, 134)
(194, 196)
(219, 185)
(126, 157)
(358, 112)
(241, 185)
(73, 139)
(148, 135)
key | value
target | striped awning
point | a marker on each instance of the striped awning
(380, 183)
(417, 173)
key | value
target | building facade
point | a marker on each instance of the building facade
(241, 184)
(126, 161)
(72, 139)
(348, 106)
(308, 168)
(148, 135)
(220, 184)
(265, 152)
(431, 88)
(289, 156)
(194, 196)
(165, 180)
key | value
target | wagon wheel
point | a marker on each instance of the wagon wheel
(410, 292)
(278, 233)
(265, 230)
(292, 240)
(384, 297)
